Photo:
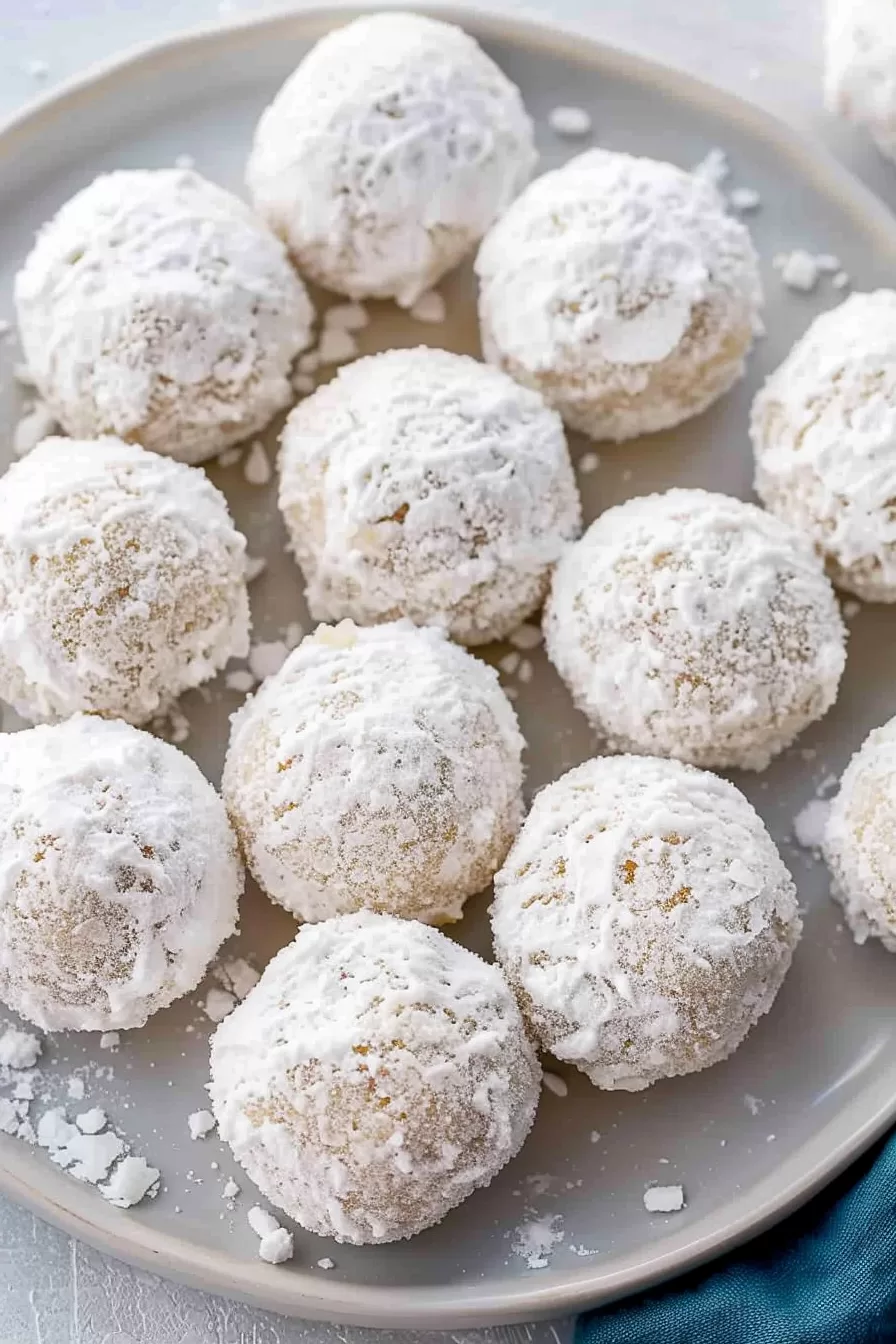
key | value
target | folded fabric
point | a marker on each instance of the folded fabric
(827, 1275)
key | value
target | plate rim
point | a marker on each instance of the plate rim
(300, 1293)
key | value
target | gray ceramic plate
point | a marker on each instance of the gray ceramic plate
(822, 1067)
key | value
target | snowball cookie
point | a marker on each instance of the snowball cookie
(860, 66)
(388, 153)
(424, 484)
(644, 918)
(694, 625)
(376, 1076)
(119, 874)
(621, 290)
(824, 436)
(378, 769)
(156, 306)
(122, 581)
(860, 839)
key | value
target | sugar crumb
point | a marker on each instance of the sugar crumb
(110, 1040)
(346, 317)
(526, 637)
(336, 346)
(326, 1263)
(430, 307)
(276, 1247)
(267, 657)
(261, 1221)
(744, 199)
(200, 1123)
(569, 121)
(663, 1198)
(810, 822)
(257, 468)
(231, 1189)
(588, 463)
(240, 679)
(534, 1240)
(554, 1083)
(218, 1003)
(92, 1121)
(255, 567)
(19, 1049)
(131, 1180)
(713, 167)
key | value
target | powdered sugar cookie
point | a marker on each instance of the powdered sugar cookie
(620, 289)
(386, 156)
(155, 306)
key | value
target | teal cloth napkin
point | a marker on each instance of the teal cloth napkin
(827, 1275)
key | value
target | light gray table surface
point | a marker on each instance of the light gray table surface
(54, 1290)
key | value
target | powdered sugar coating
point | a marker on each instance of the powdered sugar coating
(694, 625)
(379, 769)
(824, 436)
(620, 289)
(860, 66)
(155, 306)
(374, 1078)
(121, 581)
(424, 484)
(388, 153)
(644, 918)
(119, 874)
(860, 839)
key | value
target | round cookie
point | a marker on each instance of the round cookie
(694, 625)
(424, 484)
(375, 1077)
(860, 839)
(644, 919)
(860, 66)
(155, 306)
(620, 289)
(378, 769)
(119, 874)
(388, 153)
(824, 438)
(122, 581)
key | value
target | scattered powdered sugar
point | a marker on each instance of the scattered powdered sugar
(326, 1263)
(799, 269)
(509, 663)
(92, 1121)
(664, 1198)
(753, 1104)
(35, 424)
(200, 1123)
(810, 822)
(823, 427)
(19, 1049)
(267, 657)
(588, 463)
(713, 167)
(230, 1190)
(87, 1157)
(436, 1032)
(413, 187)
(110, 1040)
(430, 307)
(336, 346)
(256, 467)
(346, 317)
(261, 1221)
(555, 1084)
(840, 280)
(75, 1088)
(131, 1180)
(526, 637)
(571, 122)
(631, 338)
(237, 312)
(377, 532)
(276, 1247)
(744, 199)
(696, 859)
(153, 872)
(716, 617)
(534, 1240)
(218, 1003)
(433, 797)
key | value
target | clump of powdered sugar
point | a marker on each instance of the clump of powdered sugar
(121, 581)
(19, 1049)
(664, 1198)
(622, 290)
(430, 307)
(275, 1242)
(388, 153)
(810, 822)
(662, 886)
(860, 66)
(858, 845)
(415, 795)
(155, 306)
(121, 874)
(534, 1239)
(570, 122)
(130, 1182)
(424, 484)
(823, 430)
(717, 619)
(382, 1041)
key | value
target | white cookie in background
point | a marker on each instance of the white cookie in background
(860, 66)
